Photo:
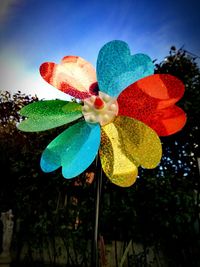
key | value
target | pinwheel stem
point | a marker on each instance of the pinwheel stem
(95, 256)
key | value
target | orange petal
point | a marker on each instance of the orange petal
(165, 87)
(73, 76)
(168, 121)
(151, 100)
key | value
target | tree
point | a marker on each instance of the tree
(183, 65)
(39, 200)
(161, 209)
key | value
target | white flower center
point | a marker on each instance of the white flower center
(102, 109)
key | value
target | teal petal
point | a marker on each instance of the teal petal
(117, 68)
(73, 150)
(44, 115)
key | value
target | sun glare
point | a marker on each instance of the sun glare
(17, 76)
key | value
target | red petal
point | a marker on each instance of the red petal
(73, 76)
(167, 121)
(165, 87)
(151, 100)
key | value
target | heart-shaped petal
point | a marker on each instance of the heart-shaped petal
(74, 76)
(117, 68)
(44, 115)
(73, 150)
(126, 144)
(151, 100)
(167, 88)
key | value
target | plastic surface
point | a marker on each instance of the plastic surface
(151, 100)
(126, 140)
(100, 109)
(44, 115)
(74, 76)
(117, 68)
(126, 144)
(74, 150)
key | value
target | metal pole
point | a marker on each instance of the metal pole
(95, 255)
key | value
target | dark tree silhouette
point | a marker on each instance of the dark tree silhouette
(160, 210)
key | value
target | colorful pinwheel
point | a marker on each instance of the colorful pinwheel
(122, 114)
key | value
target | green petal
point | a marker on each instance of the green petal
(44, 115)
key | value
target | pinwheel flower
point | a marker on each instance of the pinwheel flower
(124, 108)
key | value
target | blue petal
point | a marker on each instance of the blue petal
(117, 68)
(74, 149)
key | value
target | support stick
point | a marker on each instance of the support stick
(95, 256)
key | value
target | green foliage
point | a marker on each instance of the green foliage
(160, 210)
(38, 200)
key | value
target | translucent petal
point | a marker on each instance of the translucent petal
(168, 120)
(74, 149)
(151, 100)
(44, 115)
(126, 144)
(121, 170)
(165, 87)
(117, 68)
(73, 76)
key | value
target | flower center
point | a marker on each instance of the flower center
(102, 109)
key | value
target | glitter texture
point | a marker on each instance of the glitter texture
(117, 68)
(151, 100)
(73, 76)
(125, 108)
(44, 115)
(74, 150)
(126, 144)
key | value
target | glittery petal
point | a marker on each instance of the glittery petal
(168, 120)
(73, 76)
(74, 149)
(44, 115)
(165, 87)
(126, 144)
(153, 103)
(117, 68)
(121, 170)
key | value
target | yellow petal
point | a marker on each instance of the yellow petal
(118, 167)
(141, 142)
(126, 144)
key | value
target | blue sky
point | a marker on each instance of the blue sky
(35, 31)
